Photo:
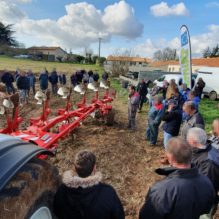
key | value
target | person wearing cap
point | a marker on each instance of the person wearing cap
(82, 195)
(154, 119)
(172, 121)
(184, 193)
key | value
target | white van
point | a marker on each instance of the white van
(210, 76)
(168, 78)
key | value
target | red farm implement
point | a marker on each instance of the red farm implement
(46, 132)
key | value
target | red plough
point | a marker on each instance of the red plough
(46, 132)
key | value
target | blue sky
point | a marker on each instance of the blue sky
(143, 32)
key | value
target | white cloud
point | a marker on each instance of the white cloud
(81, 26)
(120, 20)
(213, 4)
(198, 43)
(163, 9)
(10, 13)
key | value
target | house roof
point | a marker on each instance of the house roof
(40, 48)
(128, 59)
(209, 62)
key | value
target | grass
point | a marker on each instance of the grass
(209, 110)
(37, 66)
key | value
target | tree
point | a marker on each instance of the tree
(210, 53)
(165, 54)
(120, 67)
(6, 35)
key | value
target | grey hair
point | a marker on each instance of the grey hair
(198, 134)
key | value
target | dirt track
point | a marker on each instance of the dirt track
(123, 156)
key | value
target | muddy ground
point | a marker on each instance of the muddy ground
(124, 157)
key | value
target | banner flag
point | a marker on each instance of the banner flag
(185, 56)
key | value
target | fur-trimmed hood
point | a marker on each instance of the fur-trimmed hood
(72, 181)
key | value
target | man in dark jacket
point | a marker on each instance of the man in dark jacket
(23, 87)
(172, 119)
(32, 80)
(83, 196)
(184, 193)
(199, 87)
(44, 80)
(205, 158)
(8, 79)
(142, 89)
(62, 79)
(53, 79)
(194, 118)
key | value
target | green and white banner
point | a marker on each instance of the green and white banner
(185, 56)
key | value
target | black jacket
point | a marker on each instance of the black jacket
(183, 194)
(142, 89)
(23, 83)
(173, 121)
(53, 78)
(7, 78)
(96, 201)
(207, 161)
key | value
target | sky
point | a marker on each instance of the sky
(136, 27)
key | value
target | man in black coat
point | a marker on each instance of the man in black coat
(142, 89)
(53, 79)
(205, 158)
(8, 79)
(184, 193)
(83, 196)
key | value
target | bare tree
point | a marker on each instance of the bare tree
(120, 64)
(210, 53)
(165, 54)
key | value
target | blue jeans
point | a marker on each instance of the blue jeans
(152, 133)
(167, 137)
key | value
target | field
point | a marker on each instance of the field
(37, 66)
(124, 157)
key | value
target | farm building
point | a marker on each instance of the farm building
(48, 53)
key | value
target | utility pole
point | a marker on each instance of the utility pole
(99, 45)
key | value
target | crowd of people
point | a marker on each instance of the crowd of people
(191, 178)
(190, 185)
(26, 81)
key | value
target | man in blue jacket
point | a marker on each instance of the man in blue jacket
(154, 119)
(184, 193)
(84, 196)
(44, 77)
(53, 79)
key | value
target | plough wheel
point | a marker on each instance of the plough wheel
(29, 195)
(110, 117)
